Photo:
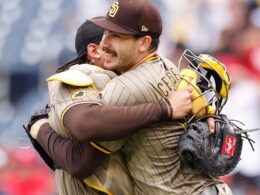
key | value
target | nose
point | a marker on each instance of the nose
(104, 41)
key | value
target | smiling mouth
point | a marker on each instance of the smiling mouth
(109, 53)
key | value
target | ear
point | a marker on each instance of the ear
(92, 51)
(145, 43)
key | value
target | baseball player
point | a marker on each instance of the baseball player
(72, 89)
(132, 30)
(130, 40)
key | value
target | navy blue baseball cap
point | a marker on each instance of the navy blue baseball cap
(87, 33)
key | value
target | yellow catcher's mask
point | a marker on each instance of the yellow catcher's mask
(210, 82)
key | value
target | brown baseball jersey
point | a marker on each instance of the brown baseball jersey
(152, 155)
(71, 88)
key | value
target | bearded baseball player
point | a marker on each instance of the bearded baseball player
(130, 40)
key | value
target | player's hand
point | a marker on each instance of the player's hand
(32, 130)
(36, 126)
(181, 102)
(211, 124)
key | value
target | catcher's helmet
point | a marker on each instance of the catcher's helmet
(210, 82)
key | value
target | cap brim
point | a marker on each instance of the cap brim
(108, 25)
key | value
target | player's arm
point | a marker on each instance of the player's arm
(117, 93)
(81, 159)
(77, 158)
(73, 156)
(93, 122)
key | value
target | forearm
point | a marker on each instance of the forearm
(91, 122)
(98, 123)
(77, 158)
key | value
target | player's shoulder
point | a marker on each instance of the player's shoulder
(161, 63)
(168, 62)
(77, 75)
(82, 75)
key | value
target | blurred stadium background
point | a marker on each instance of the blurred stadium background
(37, 36)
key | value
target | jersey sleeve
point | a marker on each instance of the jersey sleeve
(63, 97)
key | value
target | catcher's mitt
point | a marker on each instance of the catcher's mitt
(35, 117)
(213, 154)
